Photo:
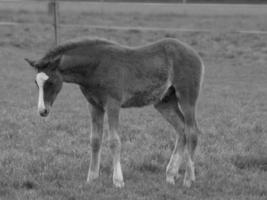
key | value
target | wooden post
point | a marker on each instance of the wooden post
(55, 8)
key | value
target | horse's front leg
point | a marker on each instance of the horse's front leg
(97, 119)
(113, 109)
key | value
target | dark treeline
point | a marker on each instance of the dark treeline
(180, 1)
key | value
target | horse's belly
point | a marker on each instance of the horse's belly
(140, 98)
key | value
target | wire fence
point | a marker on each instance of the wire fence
(53, 7)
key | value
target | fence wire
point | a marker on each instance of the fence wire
(56, 7)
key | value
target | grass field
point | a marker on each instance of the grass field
(43, 159)
(142, 8)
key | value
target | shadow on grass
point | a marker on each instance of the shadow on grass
(250, 162)
(29, 185)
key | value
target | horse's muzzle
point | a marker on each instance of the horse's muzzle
(44, 112)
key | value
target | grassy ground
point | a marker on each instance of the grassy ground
(142, 8)
(49, 159)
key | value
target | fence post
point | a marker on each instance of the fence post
(55, 9)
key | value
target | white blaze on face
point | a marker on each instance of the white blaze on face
(40, 80)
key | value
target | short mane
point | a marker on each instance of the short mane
(71, 44)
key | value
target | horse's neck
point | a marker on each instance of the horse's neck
(76, 69)
(71, 78)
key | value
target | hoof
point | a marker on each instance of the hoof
(91, 177)
(187, 183)
(170, 180)
(118, 183)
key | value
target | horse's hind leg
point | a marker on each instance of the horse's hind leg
(113, 109)
(191, 133)
(97, 117)
(169, 109)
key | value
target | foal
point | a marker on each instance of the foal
(166, 74)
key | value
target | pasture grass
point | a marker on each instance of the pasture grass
(49, 158)
(142, 8)
(163, 20)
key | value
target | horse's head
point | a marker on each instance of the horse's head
(49, 83)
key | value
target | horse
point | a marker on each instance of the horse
(167, 74)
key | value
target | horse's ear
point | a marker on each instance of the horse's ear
(31, 62)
